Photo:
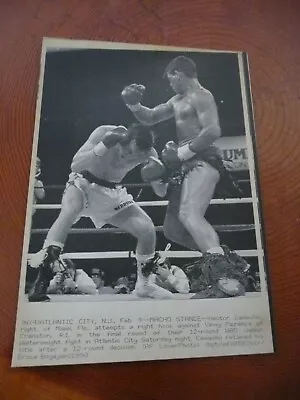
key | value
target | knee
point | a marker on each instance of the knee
(189, 219)
(185, 216)
(144, 229)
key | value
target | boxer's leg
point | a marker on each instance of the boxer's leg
(197, 191)
(136, 222)
(72, 205)
(174, 230)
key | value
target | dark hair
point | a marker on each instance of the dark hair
(142, 135)
(98, 271)
(69, 263)
(182, 64)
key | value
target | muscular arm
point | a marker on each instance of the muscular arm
(86, 155)
(207, 113)
(151, 116)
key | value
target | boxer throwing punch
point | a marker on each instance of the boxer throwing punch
(94, 190)
(197, 125)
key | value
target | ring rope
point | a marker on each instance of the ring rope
(159, 203)
(127, 185)
(219, 228)
(128, 254)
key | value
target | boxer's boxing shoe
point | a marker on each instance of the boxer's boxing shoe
(145, 287)
(38, 258)
(49, 254)
(150, 266)
(151, 290)
(40, 286)
(43, 260)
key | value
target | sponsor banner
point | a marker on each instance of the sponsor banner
(234, 151)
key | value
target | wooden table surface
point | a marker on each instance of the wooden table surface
(269, 31)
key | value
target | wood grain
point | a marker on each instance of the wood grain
(269, 32)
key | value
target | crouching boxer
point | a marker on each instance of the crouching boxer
(94, 190)
(194, 164)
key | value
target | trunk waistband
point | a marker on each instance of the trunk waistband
(101, 182)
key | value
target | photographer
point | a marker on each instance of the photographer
(98, 277)
(71, 280)
(170, 277)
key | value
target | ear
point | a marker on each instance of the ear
(179, 74)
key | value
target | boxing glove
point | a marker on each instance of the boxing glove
(117, 135)
(111, 138)
(154, 170)
(170, 155)
(132, 94)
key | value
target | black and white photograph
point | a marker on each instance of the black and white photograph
(143, 181)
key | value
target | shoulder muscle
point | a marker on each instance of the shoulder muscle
(203, 99)
(95, 137)
(98, 134)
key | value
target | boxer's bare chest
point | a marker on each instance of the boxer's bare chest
(186, 117)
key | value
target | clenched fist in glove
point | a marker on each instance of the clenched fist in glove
(115, 136)
(170, 155)
(132, 95)
(173, 155)
(154, 170)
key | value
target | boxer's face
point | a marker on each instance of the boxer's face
(176, 81)
(130, 148)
